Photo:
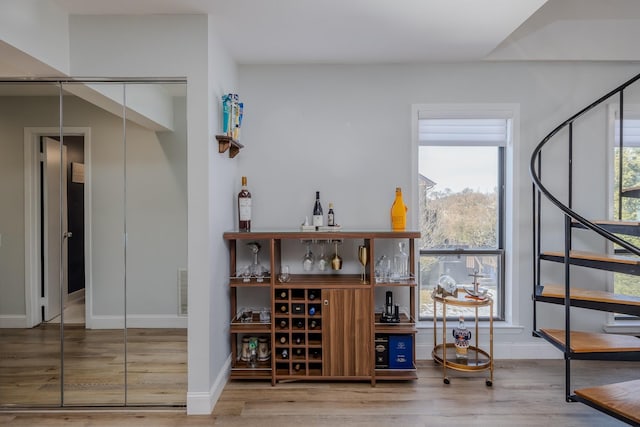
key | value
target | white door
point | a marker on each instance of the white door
(55, 227)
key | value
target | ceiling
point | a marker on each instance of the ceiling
(402, 31)
(342, 31)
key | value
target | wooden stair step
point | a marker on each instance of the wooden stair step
(594, 342)
(620, 399)
(618, 263)
(630, 228)
(592, 256)
(588, 298)
(633, 192)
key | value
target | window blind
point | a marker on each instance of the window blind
(479, 132)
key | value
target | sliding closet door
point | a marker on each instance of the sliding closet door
(30, 245)
(94, 301)
(156, 253)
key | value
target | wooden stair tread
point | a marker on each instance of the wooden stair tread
(557, 291)
(617, 222)
(597, 257)
(621, 398)
(593, 342)
(633, 192)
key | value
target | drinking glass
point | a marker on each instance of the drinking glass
(362, 257)
(323, 261)
(246, 274)
(336, 261)
(307, 260)
(284, 277)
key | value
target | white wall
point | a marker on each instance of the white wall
(37, 29)
(346, 131)
(15, 113)
(182, 46)
(156, 196)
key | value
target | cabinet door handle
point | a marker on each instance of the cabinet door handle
(326, 302)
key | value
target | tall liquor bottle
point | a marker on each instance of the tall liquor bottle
(398, 212)
(317, 211)
(244, 207)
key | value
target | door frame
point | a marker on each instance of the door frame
(32, 212)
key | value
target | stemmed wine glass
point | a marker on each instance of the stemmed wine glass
(362, 257)
(307, 260)
(336, 261)
(322, 261)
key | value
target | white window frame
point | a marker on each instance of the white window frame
(513, 256)
(613, 325)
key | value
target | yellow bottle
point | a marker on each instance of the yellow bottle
(398, 212)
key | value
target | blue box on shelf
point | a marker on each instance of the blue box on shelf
(400, 352)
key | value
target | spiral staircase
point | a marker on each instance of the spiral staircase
(619, 400)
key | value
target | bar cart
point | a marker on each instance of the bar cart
(445, 354)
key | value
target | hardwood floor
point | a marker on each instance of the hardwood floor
(94, 367)
(524, 393)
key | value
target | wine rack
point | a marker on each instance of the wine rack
(298, 333)
(321, 326)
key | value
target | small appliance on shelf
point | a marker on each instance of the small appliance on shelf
(391, 313)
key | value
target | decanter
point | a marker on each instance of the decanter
(461, 335)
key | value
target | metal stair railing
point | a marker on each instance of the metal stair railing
(539, 190)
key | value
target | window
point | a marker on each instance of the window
(462, 188)
(625, 208)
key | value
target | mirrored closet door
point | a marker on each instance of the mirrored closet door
(93, 243)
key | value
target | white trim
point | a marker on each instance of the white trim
(138, 321)
(32, 215)
(512, 182)
(507, 351)
(202, 403)
(13, 321)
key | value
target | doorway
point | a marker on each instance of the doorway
(62, 176)
(52, 182)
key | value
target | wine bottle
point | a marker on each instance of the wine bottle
(312, 324)
(398, 212)
(283, 323)
(317, 211)
(296, 367)
(300, 324)
(331, 220)
(283, 339)
(283, 294)
(298, 340)
(244, 207)
(283, 308)
(312, 311)
(312, 295)
(285, 353)
(298, 352)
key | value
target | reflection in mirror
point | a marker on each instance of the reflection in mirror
(156, 257)
(87, 317)
(94, 297)
(30, 298)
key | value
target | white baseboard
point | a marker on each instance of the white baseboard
(202, 403)
(507, 350)
(13, 321)
(137, 321)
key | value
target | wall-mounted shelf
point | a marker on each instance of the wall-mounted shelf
(228, 143)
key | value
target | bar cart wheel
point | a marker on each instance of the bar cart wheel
(446, 380)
